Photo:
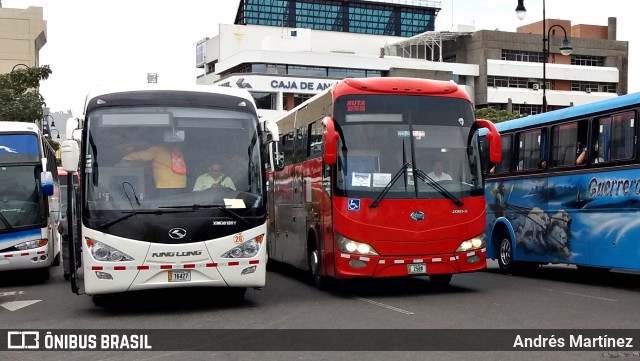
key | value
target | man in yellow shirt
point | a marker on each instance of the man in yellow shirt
(169, 171)
(214, 177)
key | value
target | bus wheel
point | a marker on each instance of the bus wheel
(440, 281)
(323, 283)
(505, 258)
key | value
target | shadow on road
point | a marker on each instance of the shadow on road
(394, 286)
(571, 274)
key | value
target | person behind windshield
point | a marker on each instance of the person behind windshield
(169, 168)
(213, 178)
(437, 174)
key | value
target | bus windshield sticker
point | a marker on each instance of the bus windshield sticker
(403, 134)
(353, 204)
(234, 203)
(381, 179)
(360, 179)
(419, 134)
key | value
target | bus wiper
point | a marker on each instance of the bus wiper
(6, 222)
(129, 214)
(224, 209)
(389, 185)
(425, 178)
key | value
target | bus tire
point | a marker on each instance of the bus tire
(591, 270)
(323, 283)
(440, 281)
(505, 252)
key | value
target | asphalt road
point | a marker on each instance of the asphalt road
(555, 297)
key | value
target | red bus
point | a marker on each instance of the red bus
(358, 195)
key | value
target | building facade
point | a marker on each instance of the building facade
(283, 52)
(23, 32)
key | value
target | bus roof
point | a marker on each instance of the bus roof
(213, 89)
(19, 127)
(571, 112)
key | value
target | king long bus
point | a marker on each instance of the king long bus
(567, 190)
(356, 199)
(29, 207)
(136, 235)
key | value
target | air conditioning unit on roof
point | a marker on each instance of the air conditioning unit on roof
(536, 86)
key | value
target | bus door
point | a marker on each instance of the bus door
(283, 193)
(298, 243)
(74, 250)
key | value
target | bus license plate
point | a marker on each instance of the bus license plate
(180, 276)
(417, 268)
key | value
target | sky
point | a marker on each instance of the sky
(106, 42)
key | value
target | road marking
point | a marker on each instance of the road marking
(384, 306)
(11, 293)
(580, 295)
(16, 305)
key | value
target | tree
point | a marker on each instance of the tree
(55, 145)
(20, 98)
(497, 116)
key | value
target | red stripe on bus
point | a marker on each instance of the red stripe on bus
(24, 254)
(8, 255)
(212, 265)
(166, 266)
(96, 268)
(143, 267)
(41, 252)
(189, 266)
(234, 263)
(255, 261)
(119, 268)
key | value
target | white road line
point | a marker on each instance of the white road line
(580, 295)
(384, 306)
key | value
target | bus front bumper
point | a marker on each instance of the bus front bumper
(356, 266)
(33, 258)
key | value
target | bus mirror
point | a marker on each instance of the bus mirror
(330, 138)
(493, 136)
(276, 157)
(271, 128)
(46, 182)
(70, 155)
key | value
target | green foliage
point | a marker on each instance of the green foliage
(20, 98)
(497, 116)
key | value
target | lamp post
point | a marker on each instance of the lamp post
(565, 48)
(55, 130)
(17, 65)
(49, 125)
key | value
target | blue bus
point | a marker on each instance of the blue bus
(567, 190)
(29, 203)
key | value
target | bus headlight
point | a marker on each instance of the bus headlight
(31, 244)
(477, 242)
(247, 249)
(346, 245)
(104, 253)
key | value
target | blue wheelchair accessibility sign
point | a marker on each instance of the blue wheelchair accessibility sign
(353, 204)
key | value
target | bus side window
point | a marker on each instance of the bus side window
(528, 147)
(503, 166)
(615, 137)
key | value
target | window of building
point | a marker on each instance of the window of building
(265, 100)
(591, 86)
(297, 100)
(525, 56)
(529, 109)
(587, 60)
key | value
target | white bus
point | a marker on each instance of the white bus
(144, 223)
(29, 203)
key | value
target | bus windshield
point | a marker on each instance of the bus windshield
(380, 133)
(21, 201)
(141, 159)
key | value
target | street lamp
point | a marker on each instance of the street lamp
(55, 130)
(565, 48)
(49, 125)
(17, 65)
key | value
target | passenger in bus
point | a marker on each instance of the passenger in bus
(437, 174)
(213, 178)
(169, 168)
(542, 164)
